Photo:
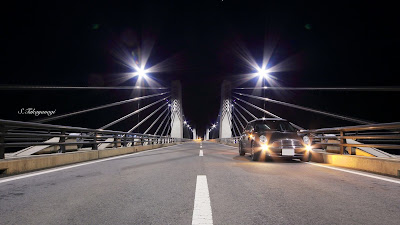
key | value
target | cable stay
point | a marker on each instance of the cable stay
(23, 87)
(308, 109)
(234, 122)
(97, 108)
(260, 109)
(263, 110)
(241, 114)
(147, 117)
(162, 122)
(166, 125)
(132, 113)
(237, 118)
(169, 128)
(155, 121)
(254, 117)
(323, 88)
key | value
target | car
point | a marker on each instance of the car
(274, 138)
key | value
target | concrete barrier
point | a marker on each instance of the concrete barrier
(224, 142)
(37, 162)
(384, 166)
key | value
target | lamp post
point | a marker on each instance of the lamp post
(141, 73)
(263, 74)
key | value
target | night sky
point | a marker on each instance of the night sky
(335, 44)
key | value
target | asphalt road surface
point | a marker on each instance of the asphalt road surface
(161, 187)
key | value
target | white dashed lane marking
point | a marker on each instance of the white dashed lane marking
(202, 213)
(201, 153)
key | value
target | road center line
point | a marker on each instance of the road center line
(202, 213)
(201, 153)
(358, 173)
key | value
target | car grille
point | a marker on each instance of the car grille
(287, 142)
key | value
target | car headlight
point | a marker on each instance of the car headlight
(306, 140)
(263, 139)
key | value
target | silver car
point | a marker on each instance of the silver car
(268, 138)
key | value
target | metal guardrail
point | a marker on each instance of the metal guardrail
(377, 135)
(232, 140)
(25, 134)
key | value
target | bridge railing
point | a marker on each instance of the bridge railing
(380, 136)
(25, 134)
(228, 141)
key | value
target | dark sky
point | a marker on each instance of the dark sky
(324, 45)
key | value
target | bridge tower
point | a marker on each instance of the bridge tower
(207, 136)
(176, 110)
(194, 134)
(225, 121)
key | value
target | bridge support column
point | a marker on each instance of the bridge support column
(176, 110)
(194, 134)
(225, 122)
(207, 136)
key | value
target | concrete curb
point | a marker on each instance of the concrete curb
(27, 164)
(384, 166)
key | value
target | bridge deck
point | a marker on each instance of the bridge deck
(158, 187)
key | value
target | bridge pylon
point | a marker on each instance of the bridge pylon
(225, 121)
(176, 110)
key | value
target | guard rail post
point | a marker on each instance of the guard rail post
(341, 143)
(62, 140)
(115, 141)
(94, 147)
(2, 134)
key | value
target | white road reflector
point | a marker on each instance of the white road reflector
(201, 153)
(202, 213)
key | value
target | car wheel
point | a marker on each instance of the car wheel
(241, 151)
(254, 155)
(306, 157)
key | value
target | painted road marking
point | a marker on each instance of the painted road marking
(202, 213)
(78, 165)
(201, 153)
(358, 173)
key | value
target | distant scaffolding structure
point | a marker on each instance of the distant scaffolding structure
(225, 121)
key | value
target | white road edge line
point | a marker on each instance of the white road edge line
(202, 213)
(354, 172)
(201, 153)
(17, 177)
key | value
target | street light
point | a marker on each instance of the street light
(141, 73)
(263, 73)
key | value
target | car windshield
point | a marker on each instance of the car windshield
(267, 125)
